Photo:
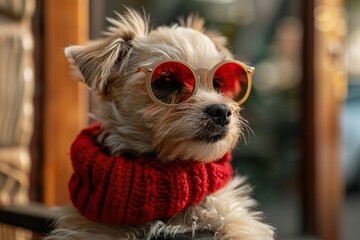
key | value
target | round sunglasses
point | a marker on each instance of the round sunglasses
(171, 82)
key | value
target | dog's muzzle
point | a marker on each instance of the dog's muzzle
(219, 113)
(215, 124)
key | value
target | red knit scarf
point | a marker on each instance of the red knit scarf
(115, 190)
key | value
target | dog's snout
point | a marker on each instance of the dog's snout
(220, 113)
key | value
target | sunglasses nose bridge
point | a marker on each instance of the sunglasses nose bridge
(204, 75)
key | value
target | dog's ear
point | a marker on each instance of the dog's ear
(195, 22)
(95, 62)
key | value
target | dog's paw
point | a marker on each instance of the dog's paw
(251, 230)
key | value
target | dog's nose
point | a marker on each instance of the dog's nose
(220, 113)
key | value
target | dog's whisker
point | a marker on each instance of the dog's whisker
(245, 130)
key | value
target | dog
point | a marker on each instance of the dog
(172, 94)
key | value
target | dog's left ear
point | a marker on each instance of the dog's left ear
(95, 62)
(195, 22)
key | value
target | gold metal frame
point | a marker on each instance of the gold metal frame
(209, 73)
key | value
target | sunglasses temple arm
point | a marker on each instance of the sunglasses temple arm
(250, 69)
(130, 72)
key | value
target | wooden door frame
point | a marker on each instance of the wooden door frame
(36, 148)
(321, 179)
(65, 100)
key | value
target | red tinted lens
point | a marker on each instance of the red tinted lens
(231, 80)
(172, 82)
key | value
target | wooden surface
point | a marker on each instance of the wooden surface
(40, 219)
(33, 216)
(328, 187)
(65, 99)
(323, 92)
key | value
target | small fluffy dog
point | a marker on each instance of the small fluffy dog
(172, 95)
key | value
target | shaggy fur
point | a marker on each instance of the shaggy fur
(133, 122)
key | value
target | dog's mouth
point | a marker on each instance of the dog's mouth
(215, 138)
(210, 136)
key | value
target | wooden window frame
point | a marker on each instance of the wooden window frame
(65, 100)
(321, 178)
(66, 105)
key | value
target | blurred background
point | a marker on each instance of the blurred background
(303, 157)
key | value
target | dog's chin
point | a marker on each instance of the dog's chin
(204, 149)
(205, 144)
(211, 137)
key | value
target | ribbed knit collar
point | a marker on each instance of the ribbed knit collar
(115, 190)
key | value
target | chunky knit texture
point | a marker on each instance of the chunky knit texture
(115, 190)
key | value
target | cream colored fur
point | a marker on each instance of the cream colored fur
(133, 122)
(227, 213)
